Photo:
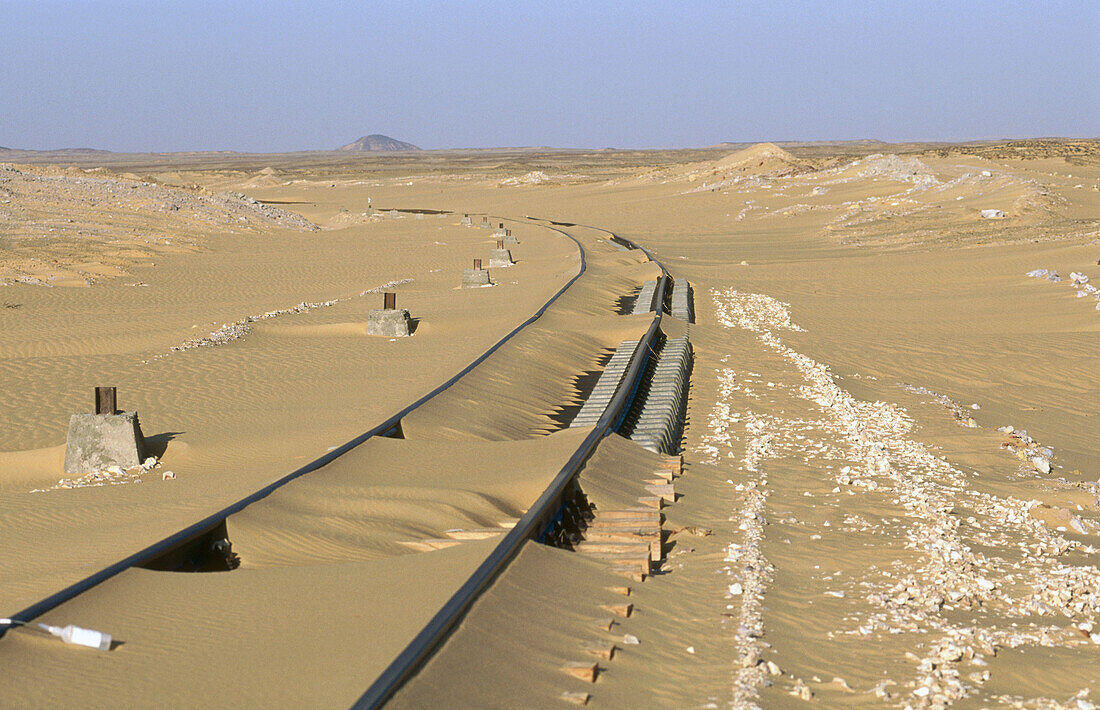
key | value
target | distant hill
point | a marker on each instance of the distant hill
(58, 151)
(758, 159)
(378, 142)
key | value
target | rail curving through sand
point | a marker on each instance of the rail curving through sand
(531, 526)
(212, 522)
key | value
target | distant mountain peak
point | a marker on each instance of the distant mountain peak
(377, 142)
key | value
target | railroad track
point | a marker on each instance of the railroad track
(208, 537)
(531, 526)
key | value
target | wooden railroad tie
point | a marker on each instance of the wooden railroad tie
(600, 649)
(634, 573)
(631, 513)
(620, 609)
(664, 490)
(473, 533)
(582, 670)
(575, 697)
(430, 544)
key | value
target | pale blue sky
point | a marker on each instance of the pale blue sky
(281, 76)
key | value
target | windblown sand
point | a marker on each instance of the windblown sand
(863, 532)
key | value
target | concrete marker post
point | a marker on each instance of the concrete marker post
(105, 438)
(500, 258)
(389, 321)
(476, 277)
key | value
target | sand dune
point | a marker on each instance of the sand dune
(862, 518)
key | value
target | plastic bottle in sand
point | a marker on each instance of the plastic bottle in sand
(79, 636)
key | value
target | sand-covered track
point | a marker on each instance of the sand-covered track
(144, 604)
(531, 526)
(206, 525)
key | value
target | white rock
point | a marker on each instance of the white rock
(630, 640)
(1040, 464)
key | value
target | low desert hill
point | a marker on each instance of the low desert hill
(377, 142)
(760, 158)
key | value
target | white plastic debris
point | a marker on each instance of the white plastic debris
(78, 636)
(992, 214)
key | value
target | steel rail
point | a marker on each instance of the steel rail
(195, 530)
(529, 527)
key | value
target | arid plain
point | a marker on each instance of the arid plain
(891, 488)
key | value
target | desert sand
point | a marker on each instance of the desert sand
(890, 490)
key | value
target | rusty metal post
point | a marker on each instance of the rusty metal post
(105, 400)
(389, 301)
(477, 264)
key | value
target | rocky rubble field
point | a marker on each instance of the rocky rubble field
(74, 227)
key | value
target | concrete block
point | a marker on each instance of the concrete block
(475, 278)
(500, 258)
(98, 441)
(388, 322)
